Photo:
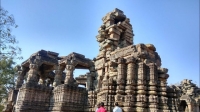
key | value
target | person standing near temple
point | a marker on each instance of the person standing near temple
(98, 106)
(117, 108)
(102, 109)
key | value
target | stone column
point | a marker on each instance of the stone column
(20, 79)
(130, 88)
(58, 75)
(131, 75)
(106, 88)
(93, 77)
(33, 74)
(162, 89)
(189, 107)
(152, 89)
(120, 92)
(105, 78)
(121, 76)
(141, 88)
(69, 79)
(42, 78)
(172, 98)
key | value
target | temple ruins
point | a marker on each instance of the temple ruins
(122, 72)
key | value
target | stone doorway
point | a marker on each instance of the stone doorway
(183, 106)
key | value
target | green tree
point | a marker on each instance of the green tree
(7, 76)
(8, 53)
(8, 41)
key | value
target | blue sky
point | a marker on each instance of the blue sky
(66, 26)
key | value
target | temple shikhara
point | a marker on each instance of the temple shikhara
(124, 72)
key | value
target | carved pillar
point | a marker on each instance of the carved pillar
(20, 79)
(162, 89)
(141, 88)
(93, 78)
(33, 74)
(105, 79)
(121, 76)
(152, 89)
(173, 97)
(91, 86)
(42, 78)
(131, 76)
(58, 76)
(130, 85)
(153, 74)
(69, 79)
(189, 107)
(120, 92)
(106, 88)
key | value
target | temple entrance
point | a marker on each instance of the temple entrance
(81, 77)
(183, 106)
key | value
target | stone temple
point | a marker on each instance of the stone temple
(122, 72)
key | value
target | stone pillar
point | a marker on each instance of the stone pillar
(121, 76)
(172, 99)
(91, 86)
(93, 78)
(105, 78)
(106, 88)
(89, 81)
(162, 89)
(100, 72)
(20, 79)
(33, 74)
(189, 107)
(131, 75)
(58, 76)
(141, 88)
(152, 89)
(42, 78)
(69, 79)
(131, 84)
(120, 82)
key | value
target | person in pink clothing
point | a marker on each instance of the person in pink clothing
(102, 109)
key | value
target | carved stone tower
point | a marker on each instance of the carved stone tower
(128, 74)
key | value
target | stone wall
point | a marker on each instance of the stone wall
(68, 98)
(33, 98)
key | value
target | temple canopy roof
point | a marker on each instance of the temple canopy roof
(78, 60)
(44, 57)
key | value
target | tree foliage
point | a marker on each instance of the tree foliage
(8, 75)
(8, 53)
(8, 41)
